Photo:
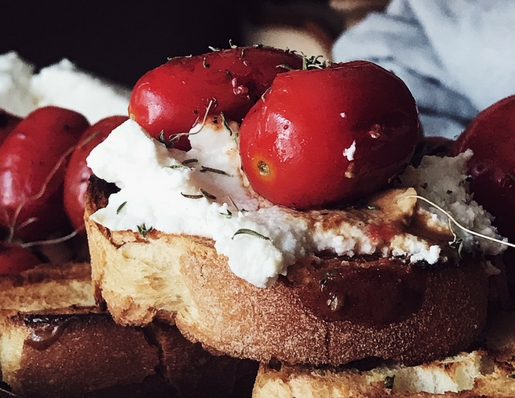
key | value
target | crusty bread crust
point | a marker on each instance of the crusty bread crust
(484, 372)
(160, 275)
(109, 355)
(46, 286)
(54, 342)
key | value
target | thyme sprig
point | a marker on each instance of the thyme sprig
(314, 62)
(456, 223)
(198, 128)
(170, 142)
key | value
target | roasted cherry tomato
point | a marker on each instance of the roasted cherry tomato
(173, 97)
(77, 174)
(7, 122)
(321, 136)
(491, 136)
(32, 165)
(15, 259)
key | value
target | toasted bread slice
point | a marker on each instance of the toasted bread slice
(425, 313)
(485, 372)
(66, 354)
(47, 287)
(55, 341)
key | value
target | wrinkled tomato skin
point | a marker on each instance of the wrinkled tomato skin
(173, 97)
(27, 158)
(491, 136)
(7, 122)
(77, 174)
(328, 135)
(15, 259)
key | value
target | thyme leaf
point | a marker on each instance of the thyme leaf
(178, 166)
(184, 165)
(203, 169)
(247, 231)
(119, 209)
(228, 214)
(203, 194)
(388, 381)
(192, 196)
(225, 123)
(189, 161)
(207, 195)
(143, 230)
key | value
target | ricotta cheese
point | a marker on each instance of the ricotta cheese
(62, 84)
(444, 182)
(203, 192)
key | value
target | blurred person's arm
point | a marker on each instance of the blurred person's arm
(456, 56)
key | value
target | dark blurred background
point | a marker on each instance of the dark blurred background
(121, 40)
(116, 39)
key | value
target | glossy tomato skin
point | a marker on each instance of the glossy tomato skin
(322, 136)
(175, 96)
(491, 136)
(77, 173)
(27, 158)
(7, 122)
(15, 259)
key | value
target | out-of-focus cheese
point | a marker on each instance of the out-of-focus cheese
(61, 84)
(15, 78)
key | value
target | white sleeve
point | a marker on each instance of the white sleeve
(457, 57)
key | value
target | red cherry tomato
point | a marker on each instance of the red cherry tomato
(173, 97)
(7, 122)
(322, 136)
(491, 136)
(15, 259)
(31, 177)
(77, 174)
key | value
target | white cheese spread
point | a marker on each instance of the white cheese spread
(203, 192)
(62, 84)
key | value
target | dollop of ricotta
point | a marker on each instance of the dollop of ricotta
(444, 181)
(204, 192)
